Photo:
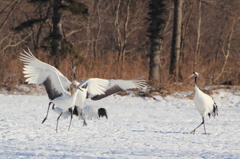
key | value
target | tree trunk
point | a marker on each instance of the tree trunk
(57, 32)
(154, 61)
(176, 40)
(99, 27)
(157, 9)
(185, 28)
(198, 34)
(117, 27)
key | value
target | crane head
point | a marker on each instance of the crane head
(73, 68)
(73, 71)
(73, 85)
(195, 74)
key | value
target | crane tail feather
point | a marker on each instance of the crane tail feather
(215, 110)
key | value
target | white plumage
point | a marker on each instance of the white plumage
(56, 84)
(91, 111)
(87, 112)
(204, 103)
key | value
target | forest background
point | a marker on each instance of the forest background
(110, 39)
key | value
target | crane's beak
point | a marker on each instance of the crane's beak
(77, 87)
(191, 76)
(80, 89)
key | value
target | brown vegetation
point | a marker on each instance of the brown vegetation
(112, 41)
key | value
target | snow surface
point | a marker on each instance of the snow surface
(136, 128)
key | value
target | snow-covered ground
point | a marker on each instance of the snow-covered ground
(136, 128)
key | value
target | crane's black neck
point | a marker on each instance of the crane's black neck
(74, 74)
(195, 80)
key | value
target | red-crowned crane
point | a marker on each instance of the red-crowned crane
(56, 84)
(204, 103)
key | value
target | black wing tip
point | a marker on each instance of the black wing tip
(107, 93)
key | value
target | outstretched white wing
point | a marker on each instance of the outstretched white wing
(94, 86)
(38, 72)
(119, 85)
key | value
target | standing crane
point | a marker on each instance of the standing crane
(204, 103)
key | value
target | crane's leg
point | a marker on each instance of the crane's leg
(204, 126)
(199, 126)
(57, 121)
(84, 121)
(47, 111)
(75, 111)
(71, 111)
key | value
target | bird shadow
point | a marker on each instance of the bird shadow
(171, 132)
(187, 133)
(168, 132)
(138, 130)
(161, 132)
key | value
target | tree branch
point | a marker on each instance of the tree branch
(5, 20)
(16, 44)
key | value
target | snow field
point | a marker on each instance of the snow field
(136, 128)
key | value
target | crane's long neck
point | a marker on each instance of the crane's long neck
(195, 80)
(73, 90)
(197, 90)
(74, 75)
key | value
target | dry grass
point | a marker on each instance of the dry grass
(103, 67)
(108, 67)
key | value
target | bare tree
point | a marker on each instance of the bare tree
(57, 33)
(198, 34)
(56, 7)
(14, 3)
(176, 40)
(157, 9)
(226, 51)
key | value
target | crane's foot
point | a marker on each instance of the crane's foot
(193, 132)
(44, 120)
(84, 123)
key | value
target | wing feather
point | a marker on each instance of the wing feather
(95, 86)
(38, 72)
(108, 92)
(119, 85)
